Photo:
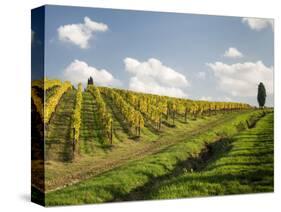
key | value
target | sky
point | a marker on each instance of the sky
(201, 57)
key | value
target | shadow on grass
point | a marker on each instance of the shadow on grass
(210, 153)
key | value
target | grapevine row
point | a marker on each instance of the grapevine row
(51, 104)
(106, 119)
(133, 117)
(154, 106)
(77, 114)
(46, 83)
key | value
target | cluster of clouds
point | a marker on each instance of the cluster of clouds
(152, 76)
(221, 99)
(242, 79)
(206, 98)
(78, 71)
(201, 75)
(258, 24)
(81, 33)
(232, 52)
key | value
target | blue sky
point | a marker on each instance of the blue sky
(194, 56)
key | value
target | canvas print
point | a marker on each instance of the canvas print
(139, 105)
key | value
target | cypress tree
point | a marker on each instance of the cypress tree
(90, 81)
(261, 95)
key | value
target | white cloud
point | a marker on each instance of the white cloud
(206, 98)
(226, 99)
(153, 87)
(258, 23)
(152, 76)
(242, 79)
(80, 34)
(232, 53)
(218, 99)
(79, 71)
(201, 75)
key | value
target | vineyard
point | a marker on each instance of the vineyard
(135, 111)
(97, 134)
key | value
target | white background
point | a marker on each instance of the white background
(15, 103)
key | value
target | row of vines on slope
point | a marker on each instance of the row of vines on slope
(105, 117)
(156, 107)
(152, 107)
(51, 104)
(77, 117)
(133, 117)
(135, 107)
(46, 83)
(46, 107)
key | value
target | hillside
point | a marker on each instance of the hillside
(115, 117)
(100, 134)
(185, 170)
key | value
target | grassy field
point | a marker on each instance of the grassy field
(126, 177)
(241, 164)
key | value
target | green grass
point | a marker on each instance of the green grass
(118, 183)
(246, 168)
(90, 136)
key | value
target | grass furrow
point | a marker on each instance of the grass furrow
(246, 168)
